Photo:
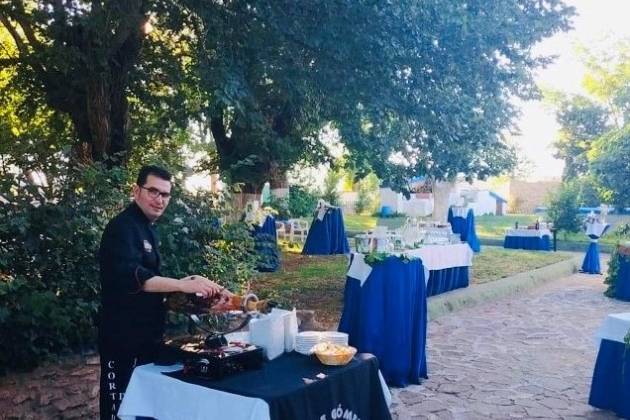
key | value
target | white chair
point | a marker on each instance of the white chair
(297, 228)
(281, 231)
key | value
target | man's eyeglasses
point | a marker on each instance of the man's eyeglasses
(155, 193)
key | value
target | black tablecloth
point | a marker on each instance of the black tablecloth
(350, 390)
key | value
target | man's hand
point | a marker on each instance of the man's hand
(200, 285)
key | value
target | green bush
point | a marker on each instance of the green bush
(302, 202)
(368, 198)
(330, 193)
(281, 205)
(49, 239)
(48, 271)
(563, 208)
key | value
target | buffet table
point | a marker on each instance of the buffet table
(385, 313)
(534, 239)
(610, 389)
(275, 392)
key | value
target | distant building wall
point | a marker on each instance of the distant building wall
(526, 196)
(348, 201)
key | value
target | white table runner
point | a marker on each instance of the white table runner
(528, 232)
(614, 328)
(434, 257)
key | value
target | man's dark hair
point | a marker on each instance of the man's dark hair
(152, 170)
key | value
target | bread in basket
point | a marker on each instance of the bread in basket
(333, 354)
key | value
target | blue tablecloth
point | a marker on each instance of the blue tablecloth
(441, 281)
(387, 317)
(327, 236)
(622, 286)
(591, 259)
(266, 245)
(465, 228)
(536, 243)
(610, 389)
(269, 227)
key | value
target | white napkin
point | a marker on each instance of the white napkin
(289, 319)
(268, 332)
(359, 269)
(322, 207)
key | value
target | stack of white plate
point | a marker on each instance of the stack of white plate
(335, 337)
(305, 340)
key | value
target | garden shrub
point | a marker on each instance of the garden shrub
(49, 239)
(563, 208)
(49, 283)
(368, 198)
(302, 202)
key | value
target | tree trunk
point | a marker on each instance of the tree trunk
(98, 109)
(279, 184)
(441, 195)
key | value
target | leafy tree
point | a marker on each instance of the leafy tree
(582, 120)
(608, 79)
(588, 188)
(611, 166)
(93, 62)
(563, 208)
(368, 197)
(427, 82)
(330, 189)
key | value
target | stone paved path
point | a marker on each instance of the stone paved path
(530, 356)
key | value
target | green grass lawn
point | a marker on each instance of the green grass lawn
(317, 282)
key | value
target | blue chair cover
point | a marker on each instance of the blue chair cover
(528, 242)
(441, 281)
(387, 317)
(591, 259)
(465, 228)
(610, 389)
(622, 286)
(266, 245)
(327, 236)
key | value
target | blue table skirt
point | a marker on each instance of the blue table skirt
(591, 259)
(528, 242)
(269, 227)
(622, 286)
(327, 236)
(466, 228)
(266, 245)
(610, 389)
(441, 281)
(388, 318)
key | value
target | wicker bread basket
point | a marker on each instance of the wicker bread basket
(337, 356)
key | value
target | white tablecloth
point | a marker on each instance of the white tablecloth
(596, 229)
(459, 211)
(152, 394)
(434, 257)
(614, 328)
(528, 232)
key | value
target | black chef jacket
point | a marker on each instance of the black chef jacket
(130, 318)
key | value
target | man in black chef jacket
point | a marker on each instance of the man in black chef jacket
(132, 313)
